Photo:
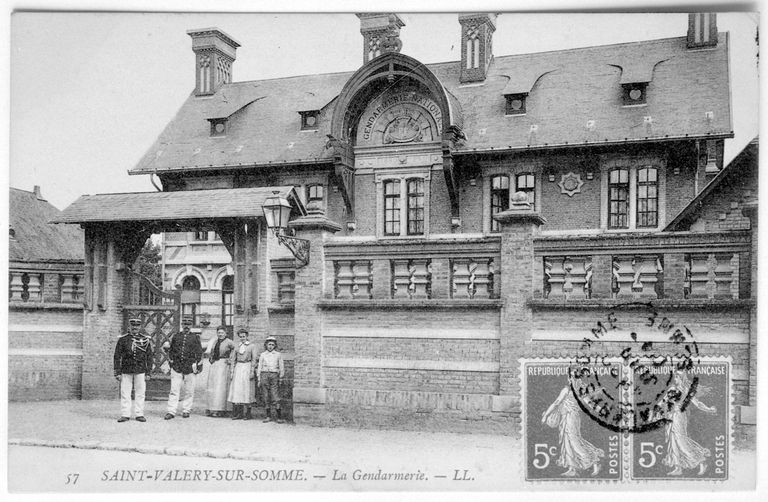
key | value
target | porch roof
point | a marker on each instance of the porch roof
(180, 205)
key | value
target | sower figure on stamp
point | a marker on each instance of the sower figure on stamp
(242, 390)
(576, 453)
(133, 363)
(682, 451)
(218, 374)
(185, 354)
(270, 373)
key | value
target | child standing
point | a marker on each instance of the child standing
(270, 373)
(242, 389)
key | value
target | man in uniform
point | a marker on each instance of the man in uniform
(185, 354)
(133, 363)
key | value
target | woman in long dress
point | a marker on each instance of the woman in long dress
(218, 374)
(242, 390)
(682, 451)
(576, 453)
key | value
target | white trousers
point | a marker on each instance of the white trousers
(182, 387)
(138, 384)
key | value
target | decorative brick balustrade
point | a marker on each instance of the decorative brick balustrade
(414, 270)
(671, 265)
(568, 277)
(48, 287)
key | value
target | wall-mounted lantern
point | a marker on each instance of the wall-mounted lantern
(277, 211)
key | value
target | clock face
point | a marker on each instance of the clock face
(635, 94)
(311, 120)
(220, 127)
(516, 104)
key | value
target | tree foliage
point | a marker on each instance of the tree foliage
(148, 263)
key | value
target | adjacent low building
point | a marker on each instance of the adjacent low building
(45, 301)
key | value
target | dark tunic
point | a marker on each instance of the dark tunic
(130, 359)
(186, 351)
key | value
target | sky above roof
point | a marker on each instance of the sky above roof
(90, 92)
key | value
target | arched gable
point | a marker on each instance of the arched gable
(380, 73)
(371, 82)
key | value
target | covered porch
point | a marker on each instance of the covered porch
(116, 228)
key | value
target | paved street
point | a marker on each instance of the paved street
(483, 462)
(51, 442)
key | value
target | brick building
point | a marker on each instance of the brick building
(458, 216)
(45, 290)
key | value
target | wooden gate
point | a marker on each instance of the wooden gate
(160, 314)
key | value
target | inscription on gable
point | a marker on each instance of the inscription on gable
(398, 119)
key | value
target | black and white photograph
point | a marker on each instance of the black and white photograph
(366, 251)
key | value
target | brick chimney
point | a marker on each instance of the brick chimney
(38, 193)
(476, 45)
(702, 30)
(381, 33)
(214, 54)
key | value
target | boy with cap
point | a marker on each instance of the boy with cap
(185, 354)
(132, 364)
(270, 372)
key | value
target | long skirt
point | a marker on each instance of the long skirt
(218, 384)
(242, 390)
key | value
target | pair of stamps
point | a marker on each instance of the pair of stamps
(641, 413)
(677, 426)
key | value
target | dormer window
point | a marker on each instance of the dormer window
(634, 94)
(310, 119)
(218, 127)
(515, 104)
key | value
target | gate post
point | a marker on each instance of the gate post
(519, 224)
(103, 320)
(308, 381)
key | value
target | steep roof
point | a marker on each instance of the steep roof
(567, 89)
(36, 240)
(746, 159)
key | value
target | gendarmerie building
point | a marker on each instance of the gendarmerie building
(430, 225)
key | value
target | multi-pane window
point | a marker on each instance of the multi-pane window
(392, 207)
(415, 192)
(201, 236)
(647, 197)
(315, 193)
(526, 183)
(499, 198)
(190, 298)
(618, 198)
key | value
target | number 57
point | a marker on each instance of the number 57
(72, 478)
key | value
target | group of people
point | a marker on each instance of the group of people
(235, 373)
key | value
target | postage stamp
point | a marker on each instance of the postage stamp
(693, 442)
(561, 442)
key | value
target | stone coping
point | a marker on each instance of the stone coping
(45, 306)
(641, 303)
(438, 304)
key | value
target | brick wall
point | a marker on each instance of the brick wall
(365, 204)
(439, 205)
(45, 352)
(724, 212)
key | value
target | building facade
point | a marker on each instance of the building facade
(460, 216)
